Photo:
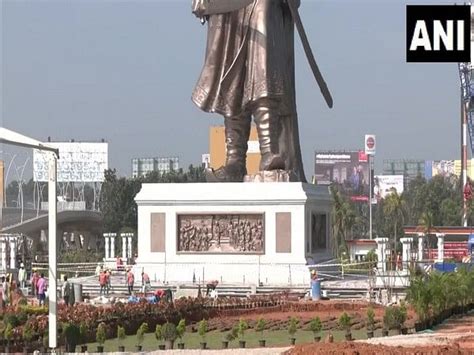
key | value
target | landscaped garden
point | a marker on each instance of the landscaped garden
(277, 320)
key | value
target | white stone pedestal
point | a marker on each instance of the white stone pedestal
(286, 223)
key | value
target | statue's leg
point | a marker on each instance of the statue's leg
(237, 132)
(268, 123)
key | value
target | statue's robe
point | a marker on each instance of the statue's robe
(250, 56)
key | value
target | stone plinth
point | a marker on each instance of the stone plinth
(232, 232)
(271, 176)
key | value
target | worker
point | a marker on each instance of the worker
(41, 286)
(108, 282)
(34, 282)
(5, 291)
(66, 291)
(102, 282)
(146, 284)
(130, 281)
(22, 276)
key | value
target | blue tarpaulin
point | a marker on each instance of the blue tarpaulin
(471, 239)
(445, 267)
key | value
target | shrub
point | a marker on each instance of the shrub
(371, 258)
(8, 335)
(181, 328)
(370, 318)
(141, 333)
(121, 334)
(394, 317)
(72, 333)
(232, 334)
(22, 301)
(159, 332)
(33, 310)
(83, 332)
(169, 332)
(293, 326)
(11, 319)
(202, 329)
(403, 313)
(100, 334)
(241, 328)
(260, 326)
(45, 339)
(345, 321)
(315, 325)
(28, 333)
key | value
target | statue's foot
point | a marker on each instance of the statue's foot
(228, 173)
(272, 162)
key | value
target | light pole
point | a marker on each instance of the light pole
(369, 147)
(370, 195)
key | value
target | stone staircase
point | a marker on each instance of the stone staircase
(119, 289)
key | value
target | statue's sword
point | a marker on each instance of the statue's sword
(309, 53)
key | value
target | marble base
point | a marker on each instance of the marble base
(271, 176)
(173, 218)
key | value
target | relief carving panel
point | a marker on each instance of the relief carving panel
(221, 233)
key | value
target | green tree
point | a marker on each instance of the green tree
(344, 218)
(426, 222)
(395, 210)
(117, 201)
(450, 212)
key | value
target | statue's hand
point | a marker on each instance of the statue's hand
(198, 7)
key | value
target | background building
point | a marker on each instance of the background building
(410, 169)
(143, 166)
(206, 160)
(217, 149)
(446, 168)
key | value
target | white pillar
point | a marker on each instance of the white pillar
(381, 247)
(440, 237)
(3, 246)
(112, 245)
(106, 246)
(130, 247)
(406, 253)
(421, 238)
(13, 253)
(124, 247)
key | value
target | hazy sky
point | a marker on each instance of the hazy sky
(125, 70)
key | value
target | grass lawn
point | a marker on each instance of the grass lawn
(276, 338)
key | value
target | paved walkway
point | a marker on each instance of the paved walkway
(251, 351)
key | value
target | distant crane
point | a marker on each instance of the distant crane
(466, 74)
(467, 119)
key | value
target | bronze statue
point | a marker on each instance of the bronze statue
(249, 71)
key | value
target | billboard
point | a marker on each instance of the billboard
(348, 169)
(384, 185)
(78, 162)
(444, 168)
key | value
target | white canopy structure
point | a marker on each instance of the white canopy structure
(9, 137)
